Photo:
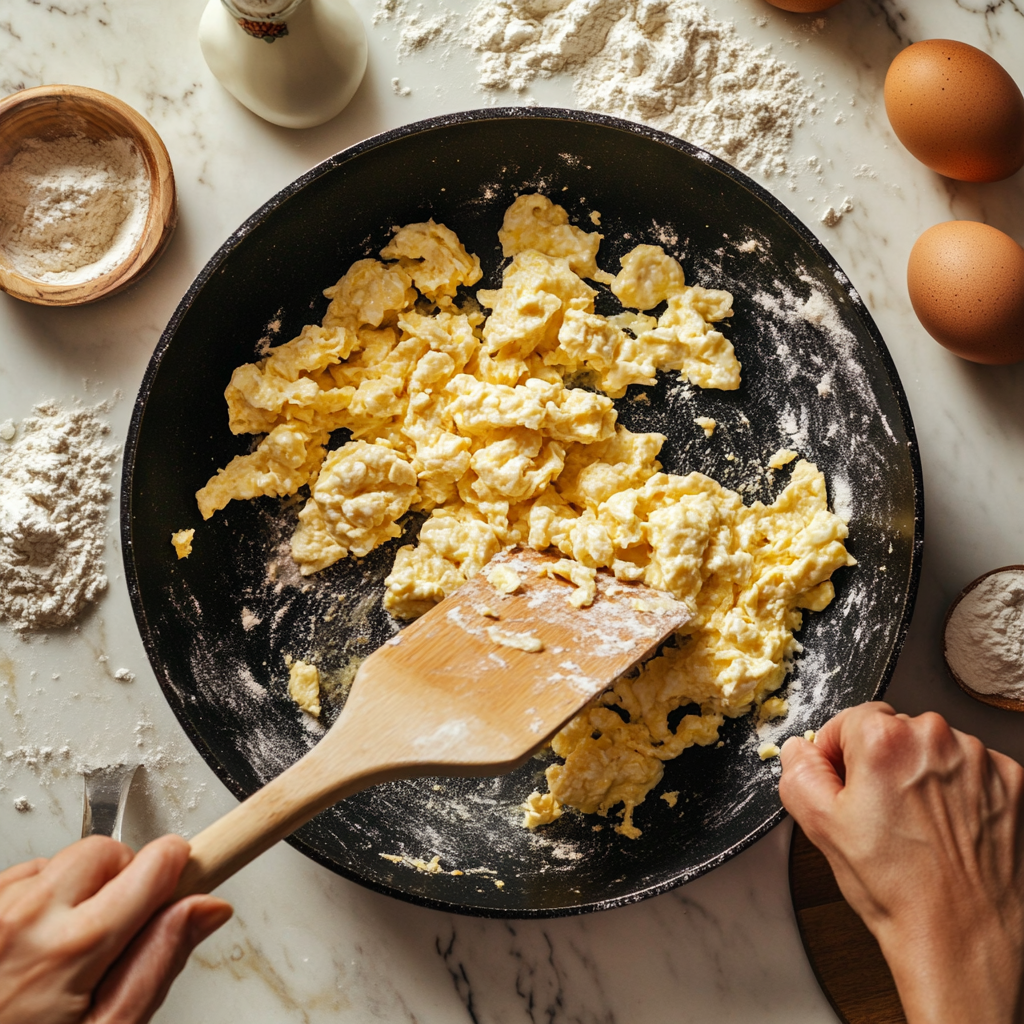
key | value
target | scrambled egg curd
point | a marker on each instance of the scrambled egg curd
(467, 417)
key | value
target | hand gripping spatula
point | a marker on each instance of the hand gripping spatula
(457, 692)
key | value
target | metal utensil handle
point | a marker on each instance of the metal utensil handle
(106, 793)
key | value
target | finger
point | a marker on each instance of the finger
(83, 868)
(809, 784)
(840, 734)
(18, 872)
(1011, 778)
(119, 910)
(1006, 766)
(139, 981)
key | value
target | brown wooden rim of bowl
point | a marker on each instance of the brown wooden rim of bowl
(161, 218)
(993, 699)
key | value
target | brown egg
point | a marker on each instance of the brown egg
(956, 110)
(803, 6)
(966, 283)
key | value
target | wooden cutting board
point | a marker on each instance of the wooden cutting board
(845, 957)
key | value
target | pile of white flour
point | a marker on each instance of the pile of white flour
(54, 491)
(72, 209)
(667, 63)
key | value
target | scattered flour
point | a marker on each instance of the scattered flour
(415, 33)
(54, 493)
(72, 209)
(667, 63)
(820, 311)
(387, 10)
(842, 497)
(833, 215)
(984, 637)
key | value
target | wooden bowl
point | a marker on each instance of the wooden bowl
(55, 111)
(994, 699)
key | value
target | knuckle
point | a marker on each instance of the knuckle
(882, 736)
(795, 770)
(793, 785)
(19, 909)
(70, 939)
(110, 853)
(976, 751)
(790, 755)
(1011, 773)
(933, 728)
(103, 846)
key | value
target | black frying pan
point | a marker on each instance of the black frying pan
(217, 626)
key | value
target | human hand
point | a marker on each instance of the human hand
(922, 826)
(83, 939)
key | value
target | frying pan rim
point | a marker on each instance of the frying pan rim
(328, 165)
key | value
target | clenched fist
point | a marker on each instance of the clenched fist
(922, 826)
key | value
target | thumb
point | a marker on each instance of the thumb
(139, 981)
(809, 785)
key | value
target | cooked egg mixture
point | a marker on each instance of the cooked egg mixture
(466, 415)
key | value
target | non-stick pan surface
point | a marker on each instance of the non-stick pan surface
(816, 378)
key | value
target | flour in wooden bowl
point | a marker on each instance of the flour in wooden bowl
(72, 209)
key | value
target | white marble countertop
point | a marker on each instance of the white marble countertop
(306, 945)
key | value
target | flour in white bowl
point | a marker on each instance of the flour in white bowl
(54, 492)
(72, 209)
(984, 637)
(666, 63)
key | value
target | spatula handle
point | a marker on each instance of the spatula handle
(272, 813)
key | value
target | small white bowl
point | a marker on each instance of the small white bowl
(996, 700)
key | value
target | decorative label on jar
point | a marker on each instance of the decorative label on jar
(262, 19)
(266, 30)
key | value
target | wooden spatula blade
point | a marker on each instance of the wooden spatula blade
(488, 701)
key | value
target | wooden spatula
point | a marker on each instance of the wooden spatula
(457, 692)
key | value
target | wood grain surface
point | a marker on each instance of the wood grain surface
(845, 957)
